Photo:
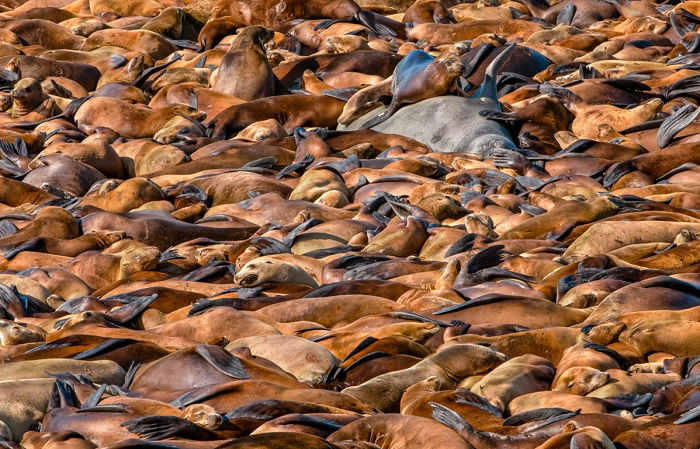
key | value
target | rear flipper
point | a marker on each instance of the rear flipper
(676, 123)
(618, 171)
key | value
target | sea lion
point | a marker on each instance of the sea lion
(247, 55)
(418, 68)
(273, 15)
(482, 137)
(449, 365)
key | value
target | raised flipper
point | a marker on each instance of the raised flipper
(325, 24)
(95, 397)
(141, 79)
(561, 231)
(369, 19)
(488, 88)
(62, 395)
(130, 373)
(679, 169)
(364, 344)
(476, 60)
(675, 123)
(299, 166)
(7, 228)
(223, 361)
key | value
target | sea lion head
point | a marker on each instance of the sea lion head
(451, 62)
(266, 269)
(189, 111)
(203, 415)
(581, 380)
(15, 334)
(27, 92)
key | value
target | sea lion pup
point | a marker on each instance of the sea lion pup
(275, 14)
(126, 119)
(449, 365)
(245, 72)
(417, 77)
(28, 96)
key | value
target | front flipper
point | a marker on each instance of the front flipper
(369, 20)
(161, 427)
(223, 361)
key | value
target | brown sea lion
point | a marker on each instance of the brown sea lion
(449, 365)
(247, 55)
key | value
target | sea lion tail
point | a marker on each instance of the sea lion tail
(488, 86)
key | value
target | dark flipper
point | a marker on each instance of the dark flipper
(627, 401)
(161, 427)
(449, 418)
(364, 344)
(223, 361)
(130, 373)
(328, 22)
(464, 244)
(553, 419)
(618, 171)
(374, 121)
(498, 116)
(488, 88)
(95, 397)
(609, 352)
(486, 258)
(141, 79)
(537, 414)
(308, 224)
(103, 348)
(690, 415)
(340, 94)
(125, 314)
(63, 395)
(675, 123)
(369, 20)
(566, 15)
